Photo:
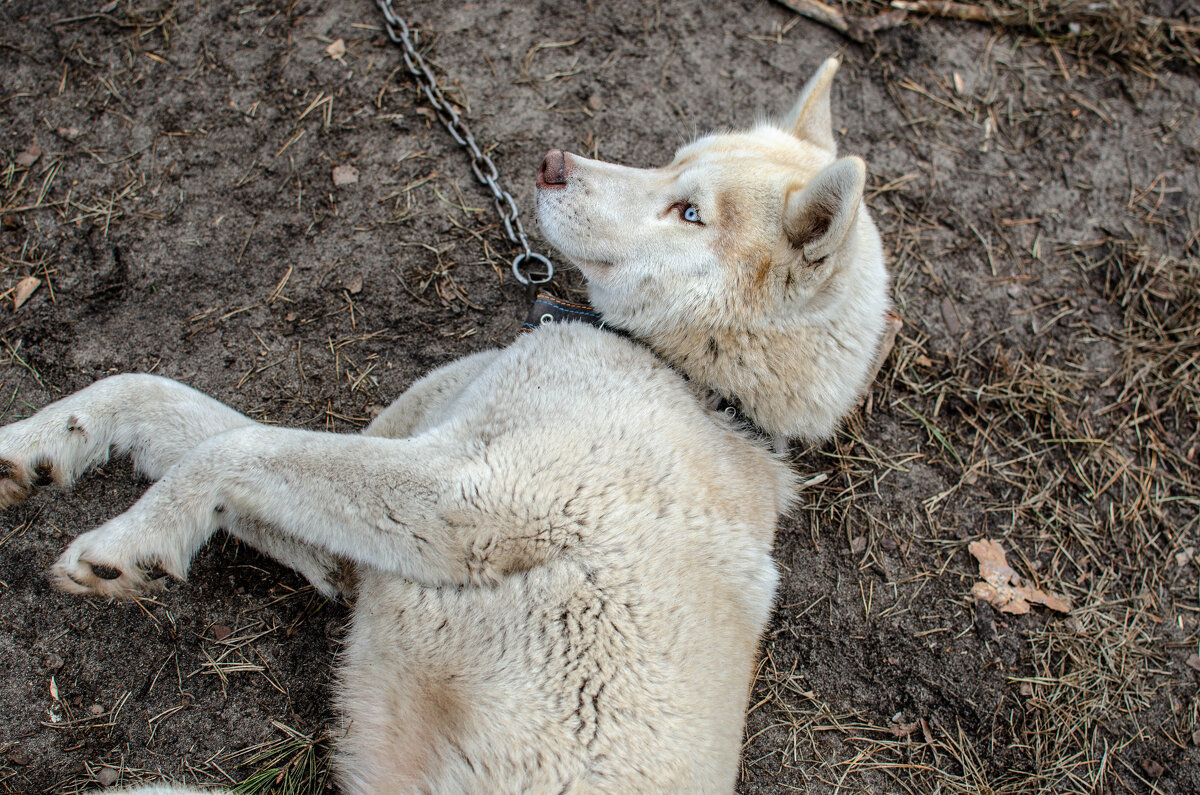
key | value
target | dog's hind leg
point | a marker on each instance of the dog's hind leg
(416, 507)
(157, 421)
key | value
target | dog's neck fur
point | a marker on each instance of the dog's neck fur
(793, 375)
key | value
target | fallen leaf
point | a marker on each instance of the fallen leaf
(345, 175)
(1003, 587)
(29, 156)
(221, 632)
(336, 50)
(25, 288)
(950, 316)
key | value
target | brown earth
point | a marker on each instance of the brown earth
(1041, 209)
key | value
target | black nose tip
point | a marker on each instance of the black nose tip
(553, 170)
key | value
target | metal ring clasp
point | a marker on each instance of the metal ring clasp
(532, 278)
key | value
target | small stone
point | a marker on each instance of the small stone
(1026, 689)
(53, 662)
(858, 544)
(10, 222)
(345, 175)
(18, 757)
(594, 102)
(888, 543)
(355, 284)
(336, 50)
(221, 632)
(107, 777)
(1193, 662)
(96, 709)
(1153, 769)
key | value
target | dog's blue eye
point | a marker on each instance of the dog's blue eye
(691, 214)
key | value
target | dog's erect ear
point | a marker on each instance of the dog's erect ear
(811, 119)
(817, 217)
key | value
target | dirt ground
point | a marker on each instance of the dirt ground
(166, 173)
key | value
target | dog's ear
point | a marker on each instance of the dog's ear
(817, 217)
(811, 119)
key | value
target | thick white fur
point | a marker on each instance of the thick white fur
(561, 557)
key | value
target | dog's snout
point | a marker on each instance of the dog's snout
(553, 170)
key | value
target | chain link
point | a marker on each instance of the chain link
(485, 170)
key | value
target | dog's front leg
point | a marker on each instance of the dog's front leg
(155, 419)
(392, 504)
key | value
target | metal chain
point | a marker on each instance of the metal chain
(481, 164)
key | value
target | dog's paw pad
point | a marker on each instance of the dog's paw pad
(106, 572)
(86, 578)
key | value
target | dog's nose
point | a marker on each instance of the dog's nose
(553, 170)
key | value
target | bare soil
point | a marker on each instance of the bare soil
(1041, 209)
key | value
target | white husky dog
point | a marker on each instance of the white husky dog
(560, 552)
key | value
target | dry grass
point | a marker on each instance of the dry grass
(294, 764)
(1122, 30)
(1094, 475)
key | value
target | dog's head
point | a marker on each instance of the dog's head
(749, 261)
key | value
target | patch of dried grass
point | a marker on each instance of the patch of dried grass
(1091, 473)
(1125, 31)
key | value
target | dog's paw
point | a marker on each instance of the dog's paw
(104, 562)
(15, 483)
(26, 462)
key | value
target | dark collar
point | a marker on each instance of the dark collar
(548, 309)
